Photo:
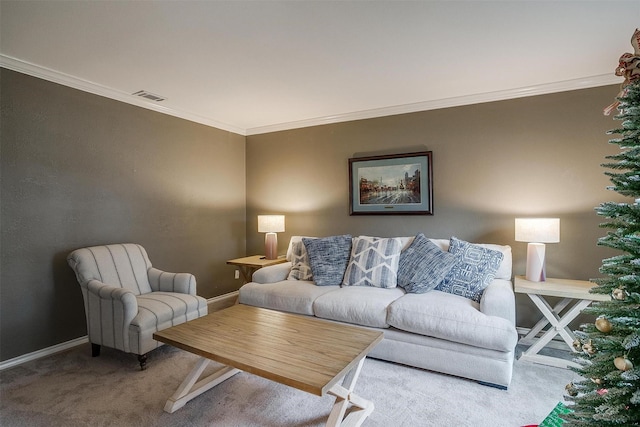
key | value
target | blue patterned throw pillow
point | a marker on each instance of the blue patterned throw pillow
(373, 262)
(423, 265)
(475, 268)
(328, 258)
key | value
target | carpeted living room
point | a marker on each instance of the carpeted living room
(305, 213)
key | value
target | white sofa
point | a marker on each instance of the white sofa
(436, 330)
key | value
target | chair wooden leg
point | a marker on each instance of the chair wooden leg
(142, 358)
(95, 350)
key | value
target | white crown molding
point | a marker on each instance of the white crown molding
(97, 89)
(567, 85)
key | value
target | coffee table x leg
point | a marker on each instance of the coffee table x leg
(190, 388)
(362, 408)
(559, 325)
(345, 397)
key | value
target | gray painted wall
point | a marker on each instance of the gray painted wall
(79, 170)
(492, 162)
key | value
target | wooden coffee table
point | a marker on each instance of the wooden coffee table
(302, 352)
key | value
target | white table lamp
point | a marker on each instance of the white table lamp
(537, 231)
(270, 224)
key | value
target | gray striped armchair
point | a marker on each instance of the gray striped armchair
(126, 300)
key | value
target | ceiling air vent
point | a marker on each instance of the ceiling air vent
(149, 95)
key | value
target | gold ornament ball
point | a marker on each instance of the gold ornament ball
(596, 381)
(619, 294)
(623, 363)
(588, 348)
(570, 390)
(577, 344)
(603, 325)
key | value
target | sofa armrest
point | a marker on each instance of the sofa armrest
(162, 281)
(106, 292)
(111, 307)
(272, 273)
(499, 300)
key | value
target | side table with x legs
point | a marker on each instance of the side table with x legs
(575, 297)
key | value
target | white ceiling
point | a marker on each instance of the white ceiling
(258, 66)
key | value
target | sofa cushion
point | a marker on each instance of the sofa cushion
(423, 265)
(373, 262)
(328, 257)
(293, 296)
(453, 318)
(365, 306)
(300, 268)
(474, 269)
(157, 308)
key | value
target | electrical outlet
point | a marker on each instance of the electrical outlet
(237, 274)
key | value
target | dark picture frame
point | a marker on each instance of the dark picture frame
(394, 184)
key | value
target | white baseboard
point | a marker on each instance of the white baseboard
(82, 340)
(222, 299)
(43, 353)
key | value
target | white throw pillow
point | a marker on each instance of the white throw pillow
(300, 267)
(373, 262)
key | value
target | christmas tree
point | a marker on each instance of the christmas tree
(608, 393)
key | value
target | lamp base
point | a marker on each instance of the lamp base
(535, 262)
(271, 246)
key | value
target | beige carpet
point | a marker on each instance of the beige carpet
(74, 389)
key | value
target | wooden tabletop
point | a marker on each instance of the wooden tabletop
(256, 261)
(565, 288)
(303, 352)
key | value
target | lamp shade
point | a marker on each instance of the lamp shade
(538, 230)
(270, 223)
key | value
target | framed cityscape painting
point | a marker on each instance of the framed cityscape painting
(397, 184)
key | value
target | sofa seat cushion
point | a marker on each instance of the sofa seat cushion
(365, 306)
(451, 317)
(293, 296)
(159, 310)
